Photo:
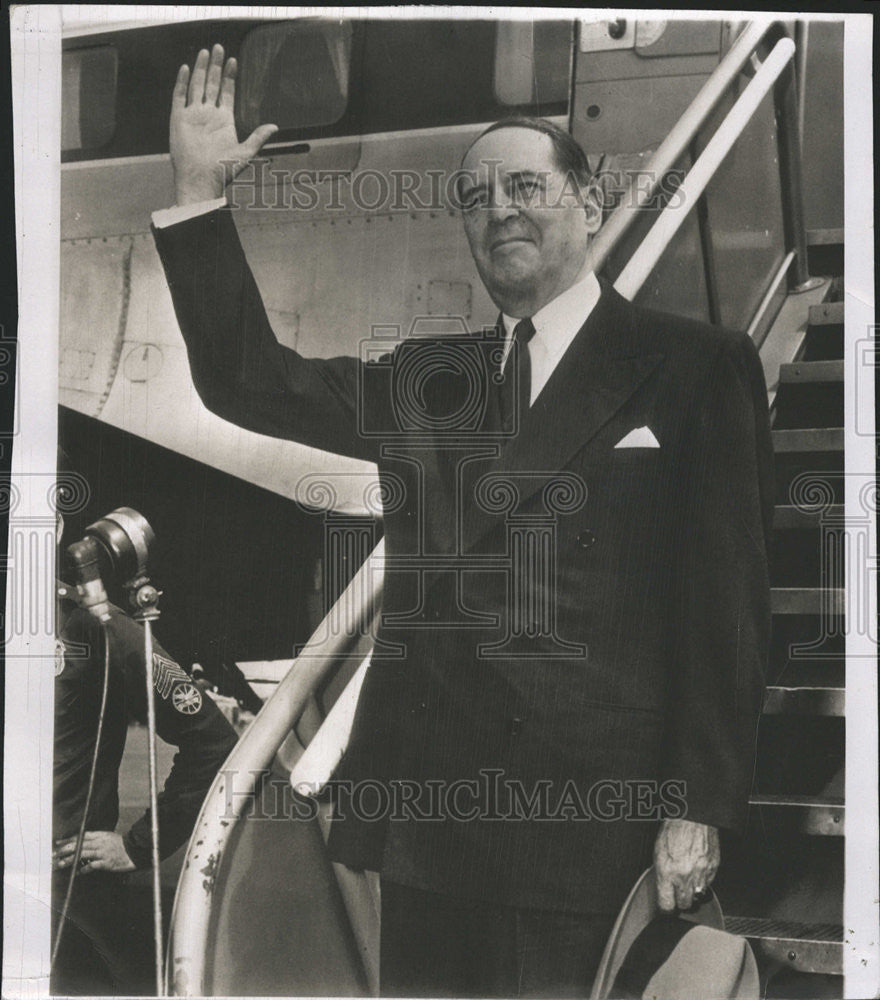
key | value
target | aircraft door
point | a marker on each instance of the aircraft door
(633, 79)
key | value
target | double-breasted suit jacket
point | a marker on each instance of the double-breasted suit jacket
(574, 634)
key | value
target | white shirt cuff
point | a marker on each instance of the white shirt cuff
(180, 213)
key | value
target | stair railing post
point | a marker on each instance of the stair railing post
(785, 97)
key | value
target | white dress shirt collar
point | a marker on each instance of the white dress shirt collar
(556, 326)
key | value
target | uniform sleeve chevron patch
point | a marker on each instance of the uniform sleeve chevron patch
(167, 673)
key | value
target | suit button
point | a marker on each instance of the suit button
(516, 725)
(586, 539)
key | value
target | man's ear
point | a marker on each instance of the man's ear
(592, 200)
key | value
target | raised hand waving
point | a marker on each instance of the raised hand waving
(205, 152)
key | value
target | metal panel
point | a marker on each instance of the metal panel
(817, 817)
(807, 600)
(744, 209)
(280, 925)
(800, 946)
(604, 36)
(661, 39)
(625, 102)
(677, 284)
(805, 701)
(812, 371)
(95, 288)
(805, 956)
(450, 298)
(627, 64)
(823, 127)
(827, 314)
(793, 517)
(627, 116)
(809, 439)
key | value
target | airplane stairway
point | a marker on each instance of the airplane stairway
(782, 886)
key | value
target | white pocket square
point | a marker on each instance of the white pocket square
(638, 437)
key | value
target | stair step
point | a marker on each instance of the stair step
(812, 672)
(787, 517)
(811, 371)
(815, 948)
(809, 406)
(826, 314)
(807, 600)
(806, 440)
(805, 700)
(786, 338)
(809, 476)
(824, 237)
(819, 816)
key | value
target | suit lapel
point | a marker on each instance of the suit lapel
(439, 455)
(599, 372)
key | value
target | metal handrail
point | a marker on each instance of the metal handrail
(655, 243)
(250, 758)
(677, 141)
(684, 132)
(788, 115)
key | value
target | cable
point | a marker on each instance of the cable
(154, 806)
(80, 837)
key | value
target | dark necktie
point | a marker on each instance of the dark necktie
(516, 401)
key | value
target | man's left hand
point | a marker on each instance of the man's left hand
(686, 859)
(102, 851)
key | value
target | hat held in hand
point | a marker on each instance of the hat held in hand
(687, 956)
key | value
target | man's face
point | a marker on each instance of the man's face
(528, 225)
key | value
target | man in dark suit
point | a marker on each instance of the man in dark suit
(576, 604)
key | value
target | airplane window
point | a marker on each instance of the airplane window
(88, 107)
(532, 62)
(294, 75)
